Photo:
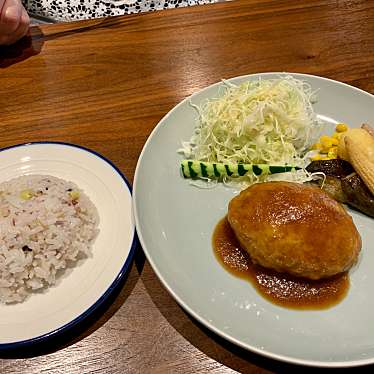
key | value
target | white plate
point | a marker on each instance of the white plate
(82, 289)
(175, 222)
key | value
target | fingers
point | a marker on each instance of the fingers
(24, 24)
(14, 22)
(1, 5)
(10, 16)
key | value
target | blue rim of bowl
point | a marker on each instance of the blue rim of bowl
(123, 272)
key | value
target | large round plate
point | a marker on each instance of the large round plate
(175, 222)
(85, 287)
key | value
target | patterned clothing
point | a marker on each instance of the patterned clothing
(68, 10)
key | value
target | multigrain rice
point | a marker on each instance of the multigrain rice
(46, 224)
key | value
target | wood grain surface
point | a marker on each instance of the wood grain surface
(105, 84)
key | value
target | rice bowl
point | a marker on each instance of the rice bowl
(46, 225)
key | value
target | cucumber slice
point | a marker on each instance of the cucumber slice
(202, 169)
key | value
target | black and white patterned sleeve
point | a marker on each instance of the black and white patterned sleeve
(68, 10)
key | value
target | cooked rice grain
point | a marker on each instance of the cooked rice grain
(45, 224)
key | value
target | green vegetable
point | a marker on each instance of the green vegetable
(264, 121)
(200, 169)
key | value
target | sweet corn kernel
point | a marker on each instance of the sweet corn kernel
(324, 140)
(316, 147)
(319, 157)
(333, 152)
(341, 127)
(316, 157)
(334, 141)
(337, 135)
(326, 143)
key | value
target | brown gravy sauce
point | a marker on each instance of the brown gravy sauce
(280, 288)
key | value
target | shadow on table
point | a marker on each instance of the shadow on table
(32, 44)
(89, 325)
(28, 46)
(218, 348)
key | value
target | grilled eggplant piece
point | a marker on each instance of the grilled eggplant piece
(334, 168)
(357, 194)
(333, 186)
(343, 184)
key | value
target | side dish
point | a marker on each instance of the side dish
(348, 176)
(263, 130)
(46, 225)
(258, 122)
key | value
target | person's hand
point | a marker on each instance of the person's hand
(14, 21)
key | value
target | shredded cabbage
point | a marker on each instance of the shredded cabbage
(262, 121)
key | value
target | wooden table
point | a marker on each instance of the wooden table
(105, 84)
